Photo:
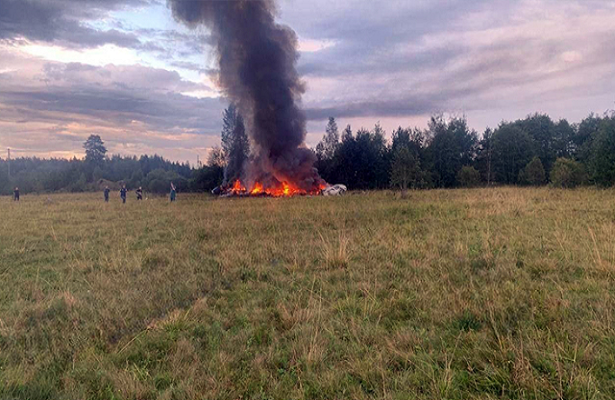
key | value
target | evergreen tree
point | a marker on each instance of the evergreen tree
(95, 150)
(343, 163)
(325, 150)
(361, 161)
(347, 134)
(229, 120)
(235, 144)
(400, 140)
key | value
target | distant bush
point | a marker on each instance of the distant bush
(469, 177)
(567, 173)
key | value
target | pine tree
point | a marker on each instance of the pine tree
(325, 150)
(229, 119)
(235, 144)
(347, 134)
(239, 152)
(95, 150)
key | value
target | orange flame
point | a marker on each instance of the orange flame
(238, 188)
(285, 190)
(257, 189)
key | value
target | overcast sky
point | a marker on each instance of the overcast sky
(124, 69)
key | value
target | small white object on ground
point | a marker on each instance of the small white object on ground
(335, 190)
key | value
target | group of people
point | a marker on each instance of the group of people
(139, 193)
(123, 193)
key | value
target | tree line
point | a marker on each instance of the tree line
(94, 172)
(532, 151)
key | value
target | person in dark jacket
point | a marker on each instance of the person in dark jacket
(173, 192)
(139, 194)
(123, 192)
(106, 191)
(16, 194)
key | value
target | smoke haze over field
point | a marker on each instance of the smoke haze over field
(257, 59)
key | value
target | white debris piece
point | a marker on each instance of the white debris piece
(335, 190)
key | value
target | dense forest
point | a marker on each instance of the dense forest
(531, 151)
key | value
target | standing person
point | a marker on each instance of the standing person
(139, 193)
(173, 192)
(123, 192)
(16, 194)
(106, 191)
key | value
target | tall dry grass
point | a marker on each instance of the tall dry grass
(458, 294)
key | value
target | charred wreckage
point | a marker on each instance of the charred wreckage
(285, 190)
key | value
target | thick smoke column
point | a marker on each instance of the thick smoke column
(257, 59)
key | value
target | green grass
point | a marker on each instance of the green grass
(463, 294)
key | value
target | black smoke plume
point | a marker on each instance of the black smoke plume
(257, 71)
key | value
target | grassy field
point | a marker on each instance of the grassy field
(463, 294)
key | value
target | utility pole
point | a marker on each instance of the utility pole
(9, 163)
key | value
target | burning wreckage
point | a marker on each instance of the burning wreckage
(284, 190)
(257, 73)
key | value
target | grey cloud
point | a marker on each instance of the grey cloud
(114, 95)
(326, 63)
(369, 39)
(373, 108)
(163, 112)
(370, 71)
(175, 47)
(132, 77)
(466, 88)
(62, 21)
